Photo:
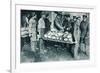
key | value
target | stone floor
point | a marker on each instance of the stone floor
(50, 53)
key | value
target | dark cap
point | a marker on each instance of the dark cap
(67, 15)
(74, 16)
(43, 13)
(58, 13)
(78, 17)
(85, 16)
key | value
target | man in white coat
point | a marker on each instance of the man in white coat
(32, 31)
(41, 30)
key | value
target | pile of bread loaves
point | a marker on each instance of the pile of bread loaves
(55, 35)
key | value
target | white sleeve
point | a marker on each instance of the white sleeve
(30, 26)
(39, 23)
(26, 20)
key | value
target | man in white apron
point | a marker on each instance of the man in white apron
(32, 31)
(41, 30)
(77, 37)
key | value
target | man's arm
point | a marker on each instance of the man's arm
(30, 27)
(58, 25)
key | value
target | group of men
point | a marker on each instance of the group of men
(36, 26)
(77, 27)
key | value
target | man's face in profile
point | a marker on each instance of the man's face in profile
(68, 18)
(44, 16)
(84, 18)
(58, 16)
(33, 14)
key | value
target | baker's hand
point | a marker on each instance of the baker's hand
(30, 35)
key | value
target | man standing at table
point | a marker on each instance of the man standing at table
(67, 24)
(84, 31)
(24, 30)
(32, 31)
(41, 30)
(58, 22)
(76, 34)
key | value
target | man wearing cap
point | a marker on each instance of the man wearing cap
(84, 25)
(66, 23)
(32, 31)
(58, 22)
(41, 30)
(72, 21)
(76, 34)
(24, 30)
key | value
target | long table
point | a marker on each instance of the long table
(60, 41)
(75, 50)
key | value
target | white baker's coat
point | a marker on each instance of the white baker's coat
(41, 23)
(32, 29)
